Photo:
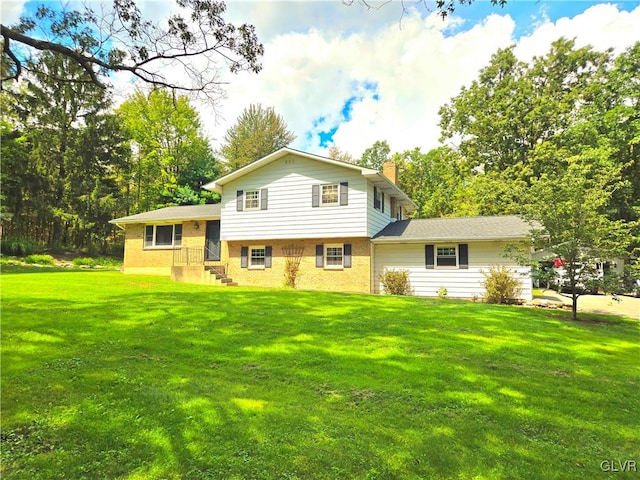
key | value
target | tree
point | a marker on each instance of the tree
(432, 180)
(375, 156)
(65, 152)
(443, 7)
(184, 55)
(335, 153)
(172, 157)
(257, 133)
(571, 206)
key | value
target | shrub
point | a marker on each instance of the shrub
(20, 247)
(442, 292)
(396, 282)
(501, 285)
(95, 262)
(39, 259)
(84, 262)
(291, 268)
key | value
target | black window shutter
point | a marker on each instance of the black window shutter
(463, 255)
(244, 257)
(344, 193)
(319, 256)
(382, 200)
(376, 204)
(239, 200)
(315, 195)
(429, 256)
(346, 261)
(267, 257)
(264, 198)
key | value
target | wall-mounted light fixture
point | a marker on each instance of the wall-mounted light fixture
(196, 225)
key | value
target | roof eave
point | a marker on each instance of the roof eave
(443, 240)
(376, 177)
(119, 222)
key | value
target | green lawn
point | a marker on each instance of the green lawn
(113, 376)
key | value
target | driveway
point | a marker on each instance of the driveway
(622, 306)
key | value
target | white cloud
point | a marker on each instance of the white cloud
(309, 74)
(601, 26)
(10, 10)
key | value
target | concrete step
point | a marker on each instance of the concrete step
(232, 284)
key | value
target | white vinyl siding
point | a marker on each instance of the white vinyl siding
(290, 181)
(376, 219)
(460, 283)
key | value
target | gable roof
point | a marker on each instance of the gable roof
(372, 175)
(168, 214)
(504, 227)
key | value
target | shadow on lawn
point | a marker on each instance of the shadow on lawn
(266, 384)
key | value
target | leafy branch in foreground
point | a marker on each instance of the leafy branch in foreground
(444, 8)
(184, 55)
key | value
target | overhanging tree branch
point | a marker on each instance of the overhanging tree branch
(185, 55)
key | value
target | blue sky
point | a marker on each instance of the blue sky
(350, 76)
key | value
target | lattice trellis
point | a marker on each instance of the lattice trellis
(293, 257)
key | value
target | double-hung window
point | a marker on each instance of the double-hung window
(334, 256)
(257, 257)
(252, 199)
(446, 256)
(330, 194)
(163, 236)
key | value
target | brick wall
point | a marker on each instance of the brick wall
(310, 277)
(156, 261)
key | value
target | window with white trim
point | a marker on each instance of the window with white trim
(334, 255)
(164, 236)
(257, 256)
(330, 194)
(252, 199)
(446, 256)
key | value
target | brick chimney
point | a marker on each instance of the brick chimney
(390, 170)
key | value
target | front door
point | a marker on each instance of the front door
(212, 241)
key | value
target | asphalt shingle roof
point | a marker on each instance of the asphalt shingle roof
(185, 212)
(446, 229)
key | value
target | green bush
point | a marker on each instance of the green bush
(396, 282)
(94, 262)
(20, 247)
(39, 259)
(84, 262)
(501, 285)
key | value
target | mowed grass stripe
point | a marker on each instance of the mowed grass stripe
(113, 376)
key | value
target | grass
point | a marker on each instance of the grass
(132, 377)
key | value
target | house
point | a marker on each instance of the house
(336, 225)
